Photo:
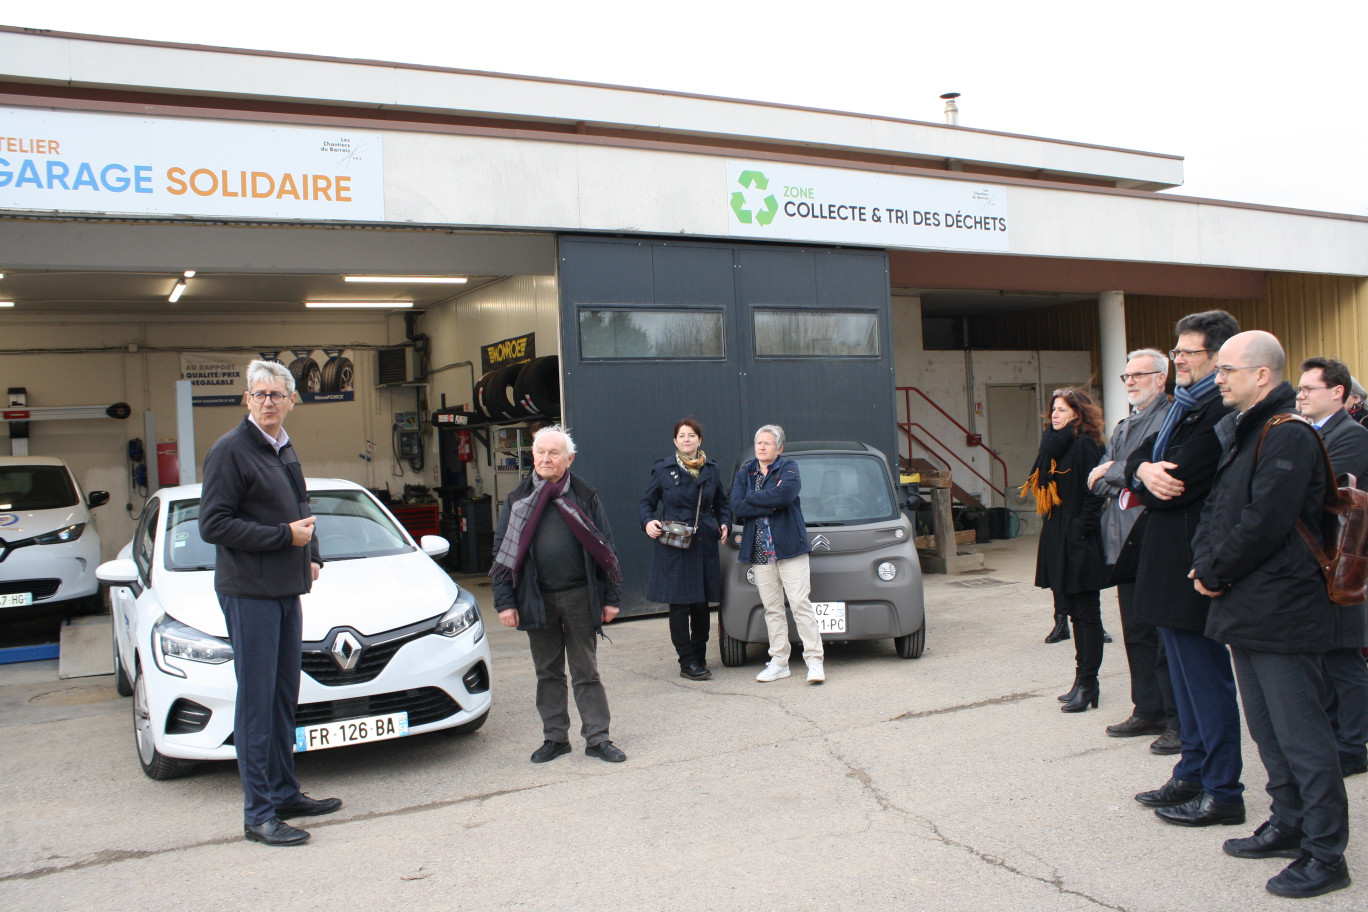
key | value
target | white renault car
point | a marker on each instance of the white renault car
(49, 548)
(392, 646)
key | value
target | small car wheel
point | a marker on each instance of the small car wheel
(153, 763)
(733, 650)
(121, 685)
(466, 728)
(912, 645)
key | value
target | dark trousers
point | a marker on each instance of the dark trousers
(1204, 690)
(1086, 610)
(1282, 701)
(1345, 696)
(691, 646)
(569, 637)
(1151, 689)
(267, 639)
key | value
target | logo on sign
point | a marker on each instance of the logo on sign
(764, 213)
(8, 519)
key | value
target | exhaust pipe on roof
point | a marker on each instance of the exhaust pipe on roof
(951, 109)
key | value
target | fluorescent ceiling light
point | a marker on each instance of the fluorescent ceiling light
(391, 305)
(6, 303)
(189, 273)
(409, 280)
(177, 292)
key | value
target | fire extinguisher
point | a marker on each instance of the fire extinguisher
(465, 450)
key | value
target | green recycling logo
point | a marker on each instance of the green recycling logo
(753, 180)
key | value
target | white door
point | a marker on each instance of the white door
(1014, 427)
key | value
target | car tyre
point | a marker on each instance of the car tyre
(337, 375)
(466, 728)
(733, 650)
(307, 376)
(121, 685)
(153, 762)
(912, 645)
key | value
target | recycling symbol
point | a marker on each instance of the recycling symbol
(753, 180)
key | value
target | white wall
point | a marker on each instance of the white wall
(83, 360)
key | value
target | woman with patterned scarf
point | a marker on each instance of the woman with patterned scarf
(687, 487)
(1069, 561)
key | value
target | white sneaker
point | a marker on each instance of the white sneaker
(772, 672)
(815, 673)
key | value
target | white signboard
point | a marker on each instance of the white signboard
(220, 378)
(169, 166)
(790, 202)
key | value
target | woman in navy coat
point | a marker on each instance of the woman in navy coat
(685, 485)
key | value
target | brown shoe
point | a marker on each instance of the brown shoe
(1167, 743)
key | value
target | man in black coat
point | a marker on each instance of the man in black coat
(255, 509)
(1270, 606)
(1171, 474)
(1321, 396)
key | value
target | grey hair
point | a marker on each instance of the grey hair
(1356, 388)
(1160, 359)
(269, 372)
(556, 429)
(774, 430)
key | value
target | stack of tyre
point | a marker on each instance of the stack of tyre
(520, 391)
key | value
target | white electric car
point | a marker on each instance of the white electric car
(49, 548)
(392, 646)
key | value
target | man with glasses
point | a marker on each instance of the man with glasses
(1172, 473)
(1269, 604)
(1154, 712)
(255, 509)
(1321, 395)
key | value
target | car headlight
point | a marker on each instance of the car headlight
(174, 640)
(887, 570)
(69, 534)
(463, 615)
(750, 575)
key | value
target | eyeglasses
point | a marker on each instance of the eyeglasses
(1126, 378)
(1308, 390)
(1188, 352)
(262, 396)
(1229, 369)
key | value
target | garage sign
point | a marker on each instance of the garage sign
(220, 378)
(789, 202)
(107, 163)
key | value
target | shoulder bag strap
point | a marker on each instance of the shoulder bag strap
(1325, 560)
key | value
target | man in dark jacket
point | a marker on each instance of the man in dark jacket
(1154, 712)
(556, 576)
(1321, 395)
(1270, 606)
(1171, 474)
(255, 509)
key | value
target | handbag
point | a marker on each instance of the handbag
(679, 535)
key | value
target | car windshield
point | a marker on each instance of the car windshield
(350, 526)
(36, 487)
(845, 488)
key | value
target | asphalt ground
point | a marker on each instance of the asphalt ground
(949, 782)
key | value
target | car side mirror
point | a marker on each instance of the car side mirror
(434, 546)
(120, 572)
(97, 499)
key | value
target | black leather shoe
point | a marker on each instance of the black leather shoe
(1267, 842)
(694, 672)
(275, 832)
(1170, 742)
(1106, 637)
(606, 750)
(1134, 726)
(1085, 694)
(1060, 632)
(550, 750)
(1353, 764)
(1173, 792)
(1309, 876)
(1069, 695)
(304, 806)
(1202, 811)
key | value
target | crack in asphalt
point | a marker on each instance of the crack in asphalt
(995, 701)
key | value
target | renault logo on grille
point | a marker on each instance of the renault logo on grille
(346, 651)
(821, 541)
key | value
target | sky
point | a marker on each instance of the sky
(1264, 101)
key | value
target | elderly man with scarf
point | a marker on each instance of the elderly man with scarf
(556, 576)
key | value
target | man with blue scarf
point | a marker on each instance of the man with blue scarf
(1171, 474)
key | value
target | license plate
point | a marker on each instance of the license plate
(831, 616)
(351, 731)
(16, 600)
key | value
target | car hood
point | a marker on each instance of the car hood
(370, 595)
(16, 525)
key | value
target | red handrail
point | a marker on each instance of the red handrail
(907, 412)
(907, 427)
